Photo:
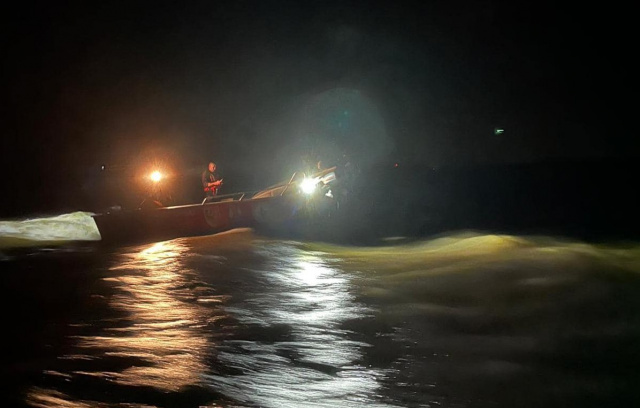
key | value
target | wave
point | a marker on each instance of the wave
(470, 251)
(51, 230)
(489, 266)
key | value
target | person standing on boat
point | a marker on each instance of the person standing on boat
(211, 181)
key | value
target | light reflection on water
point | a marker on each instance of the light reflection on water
(174, 331)
(163, 327)
(480, 321)
(317, 364)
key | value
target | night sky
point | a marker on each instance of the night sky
(253, 85)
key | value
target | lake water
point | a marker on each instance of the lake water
(465, 319)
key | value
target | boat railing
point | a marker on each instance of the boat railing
(284, 190)
(225, 197)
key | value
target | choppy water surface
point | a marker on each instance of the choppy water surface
(240, 320)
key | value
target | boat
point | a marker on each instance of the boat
(296, 200)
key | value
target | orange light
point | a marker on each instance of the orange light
(155, 176)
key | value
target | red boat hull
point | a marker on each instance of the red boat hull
(196, 219)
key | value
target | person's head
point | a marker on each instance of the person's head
(212, 167)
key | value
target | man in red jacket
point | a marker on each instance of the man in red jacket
(211, 181)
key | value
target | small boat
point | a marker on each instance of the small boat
(290, 201)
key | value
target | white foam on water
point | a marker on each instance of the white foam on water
(57, 229)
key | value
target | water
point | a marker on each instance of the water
(241, 320)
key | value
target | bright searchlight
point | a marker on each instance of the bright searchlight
(308, 185)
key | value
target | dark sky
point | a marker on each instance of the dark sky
(253, 84)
